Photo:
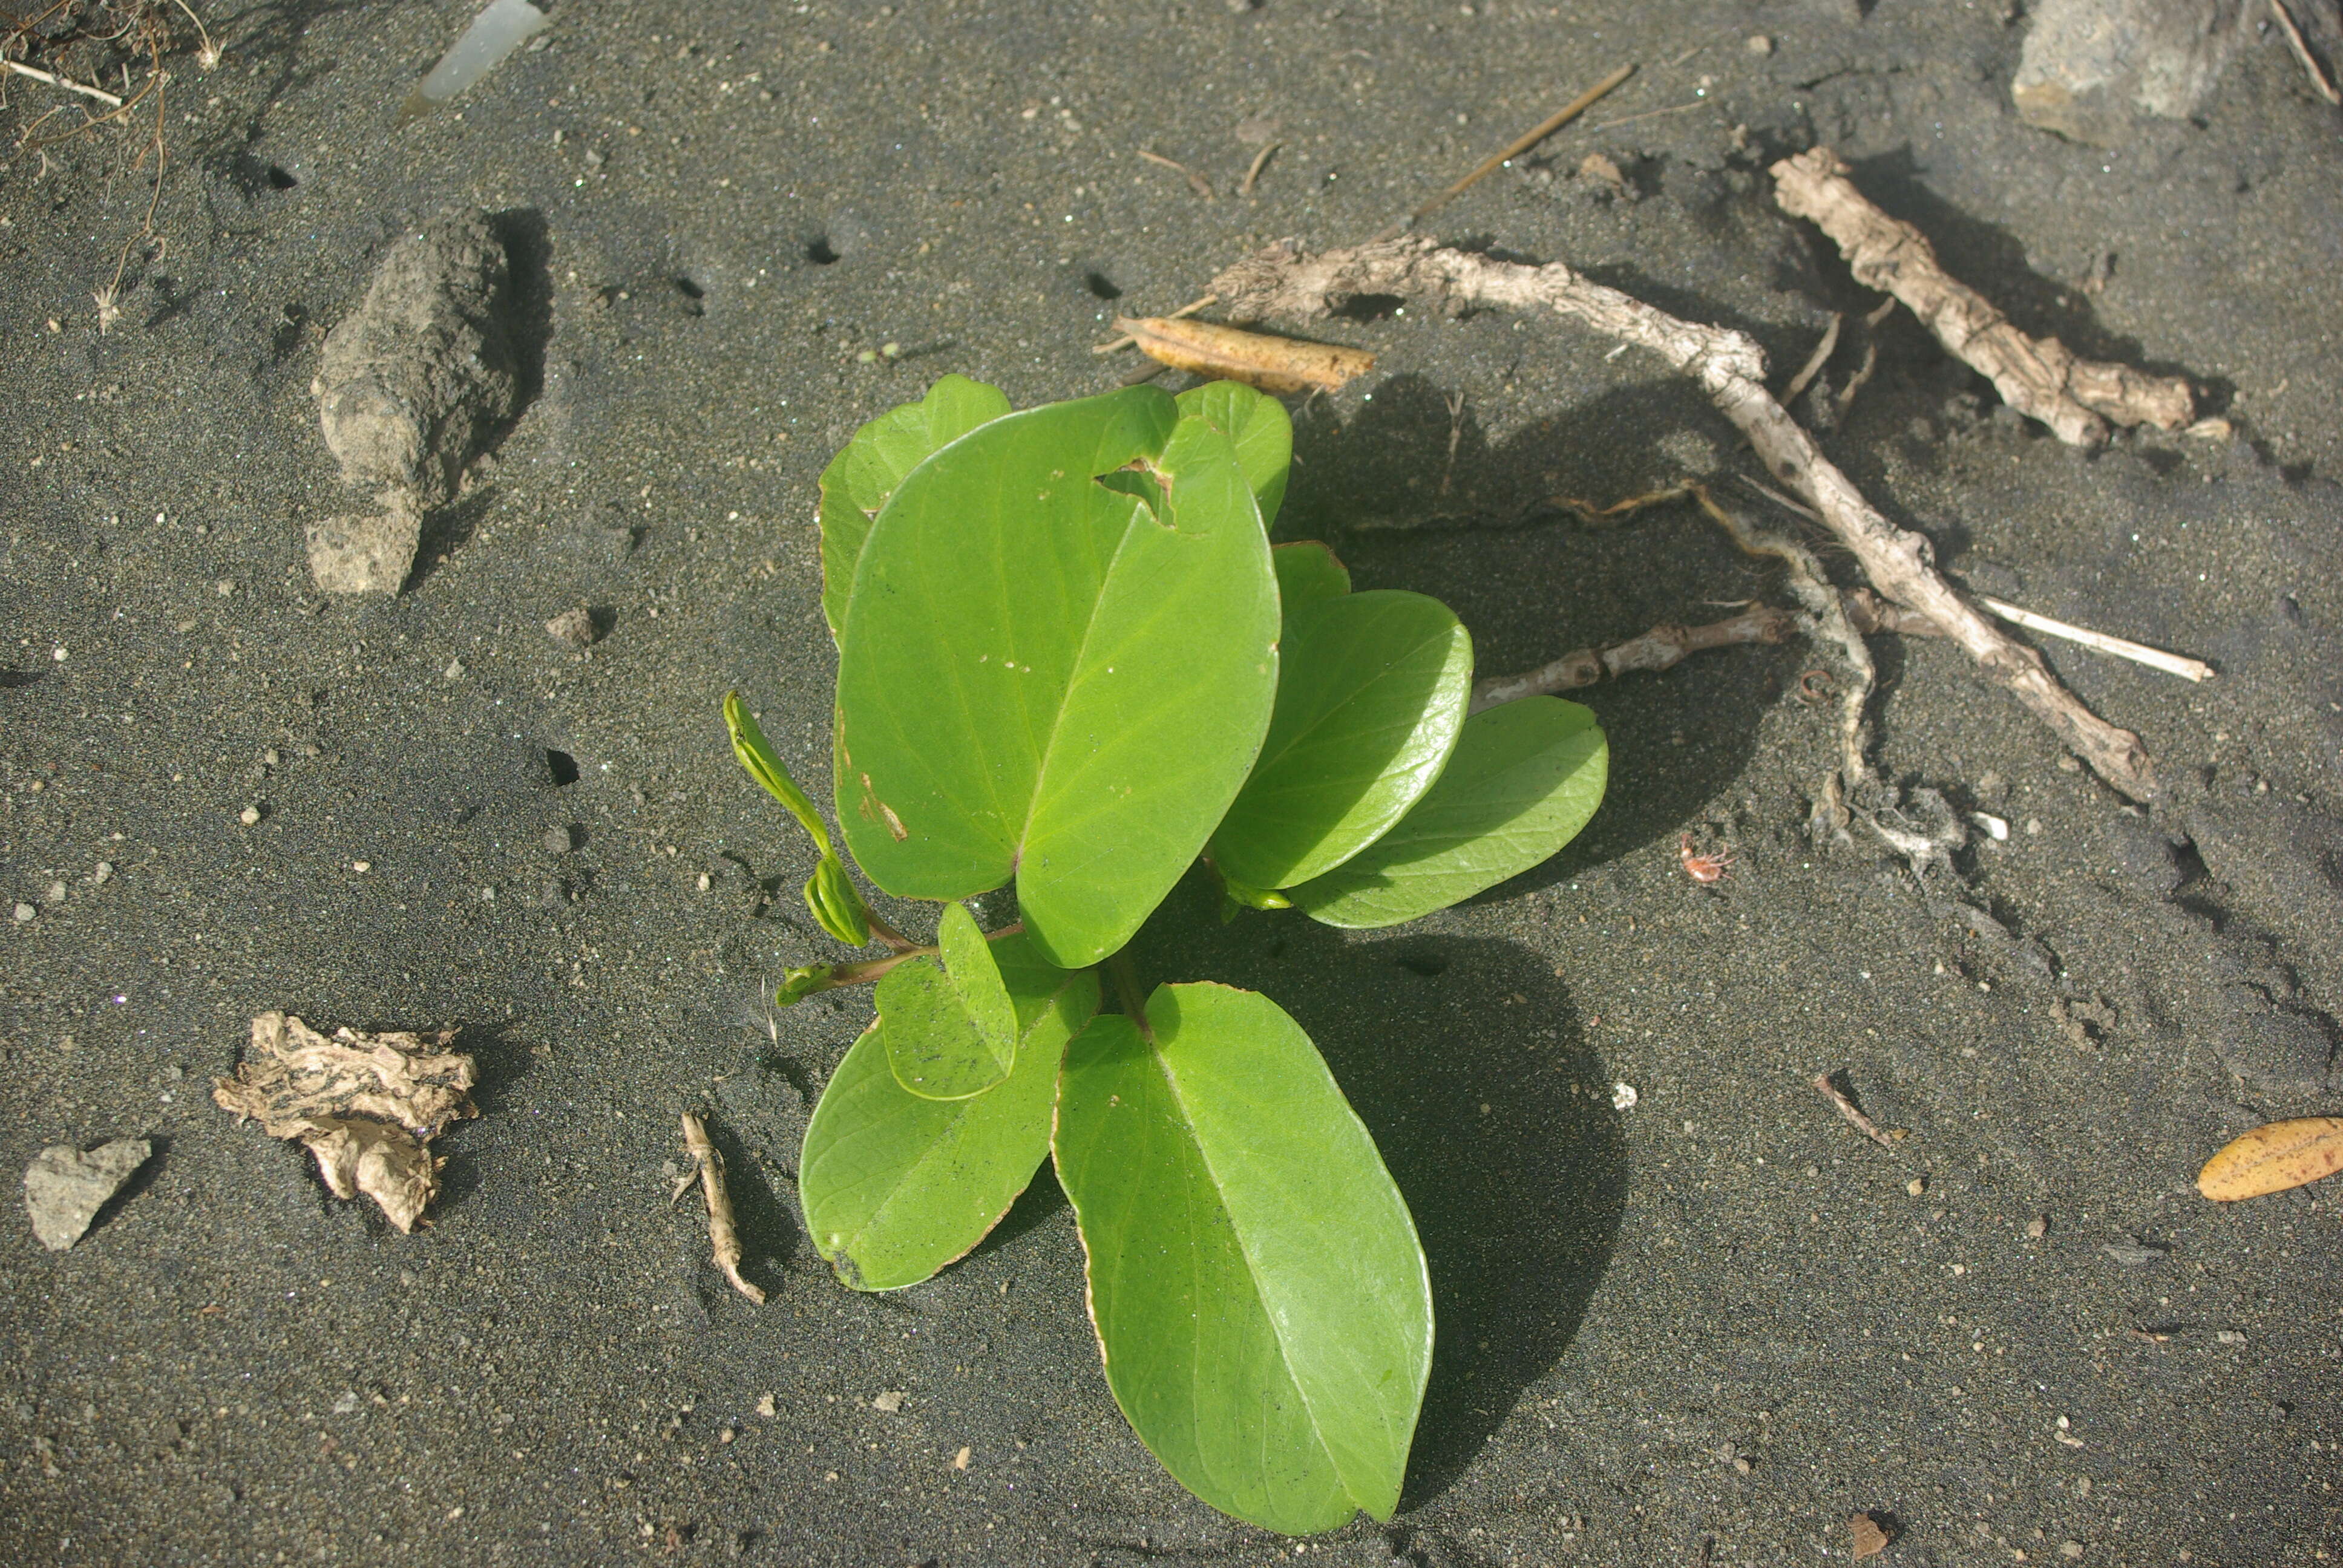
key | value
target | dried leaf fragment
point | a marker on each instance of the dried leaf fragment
(1257, 359)
(367, 1105)
(1870, 1539)
(2274, 1158)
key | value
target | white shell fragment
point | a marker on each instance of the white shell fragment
(1623, 1097)
(495, 32)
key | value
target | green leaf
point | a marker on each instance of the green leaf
(1047, 677)
(894, 1187)
(1308, 570)
(749, 744)
(836, 904)
(1523, 781)
(860, 478)
(1372, 690)
(1259, 427)
(1258, 1293)
(951, 1029)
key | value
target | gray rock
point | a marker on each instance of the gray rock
(64, 1188)
(415, 381)
(2091, 66)
(574, 627)
(360, 554)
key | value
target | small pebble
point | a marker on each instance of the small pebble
(25, 913)
(574, 627)
(2037, 1227)
(561, 841)
(102, 875)
(1623, 1097)
(705, 883)
(765, 1407)
(1759, 44)
(889, 1401)
(54, 894)
(361, 866)
(1917, 1185)
(248, 816)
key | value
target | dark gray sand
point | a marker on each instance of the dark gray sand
(1702, 1331)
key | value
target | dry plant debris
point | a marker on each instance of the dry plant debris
(1282, 282)
(2274, 1158)
(1826, 1085)
(64, 1188)
(2301, 48)
(1656, 650)
(1271, 364)
(367, 1105)
(2037, 376)
(723, 1235)
(1512, 149)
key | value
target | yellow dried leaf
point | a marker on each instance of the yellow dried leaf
(1227, 353)
(2274, 1158)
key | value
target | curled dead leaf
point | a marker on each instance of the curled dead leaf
(2274, 1158)
(1257, 359)
(367, 1105)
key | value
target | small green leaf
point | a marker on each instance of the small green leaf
(1258, 1293)
(1370, 693)
(951, 1030)
(1260, 429)
(1523, 781)
(1307, 571)
(749, 746)
(859, 480)
(837, 903)
(894, 1187)
(1048, 678)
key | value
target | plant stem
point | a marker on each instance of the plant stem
(871, 969)
(1127, 991)
(889, 935)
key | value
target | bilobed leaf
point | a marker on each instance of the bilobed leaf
(1258, 1293)
(860, 478)
(893, 1186)
(1371, 694)
(1258, 427)
(1307, 571)
(1047, 676)
(1523, 780)
(951, 1029)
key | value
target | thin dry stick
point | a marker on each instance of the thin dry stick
(70, 85)
(723, 1238)
(1855, 382)
(1512, 149)
(1282, 282)
(1260, 162)
(1874, 615)
(1659, 649)
(2318, 76)
(1648, 114)
(2036, 376)
(1852, 1112)
(2138, 653)
(1189, 308)
(1196, 182)
(1814, 361)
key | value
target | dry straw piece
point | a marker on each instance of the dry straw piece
(1271, 364)
(2274, 1158)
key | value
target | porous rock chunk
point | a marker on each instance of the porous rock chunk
(2090, 66)
(367, 1105)
(414, 386)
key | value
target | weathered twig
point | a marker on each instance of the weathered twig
(2138, 653)
(1658, 648)
(1284, 284)
(1814, 361)
(723, 1237)
(1126, 340)
(1847, 1108)
(55, 80)
(2318, 76)
(2037, 376)
(1196, 182)
(1512, 149)
(1260, 162)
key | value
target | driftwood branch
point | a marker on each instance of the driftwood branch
(1284, 284)
(1661, 647)
(2037, 376)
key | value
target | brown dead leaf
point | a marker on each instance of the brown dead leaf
(367, 1105)
(1870, 1539)
(2274, 1158)
(1225, 353)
